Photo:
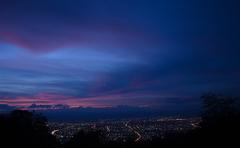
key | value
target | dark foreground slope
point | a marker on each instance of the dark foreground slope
(25, 129)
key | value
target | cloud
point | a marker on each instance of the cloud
(92, 53)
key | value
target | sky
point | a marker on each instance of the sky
(105, 53)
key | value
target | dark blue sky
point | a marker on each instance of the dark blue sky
(102, 53)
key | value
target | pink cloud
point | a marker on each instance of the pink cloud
(135, 99)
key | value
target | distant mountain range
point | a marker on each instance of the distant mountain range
(62, 112)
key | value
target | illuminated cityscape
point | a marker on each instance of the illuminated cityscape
(125, 130)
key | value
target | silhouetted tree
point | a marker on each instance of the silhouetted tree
(220, 119)
(25, 129)
(220, 111)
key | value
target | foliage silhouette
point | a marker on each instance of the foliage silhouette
(25, 129)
